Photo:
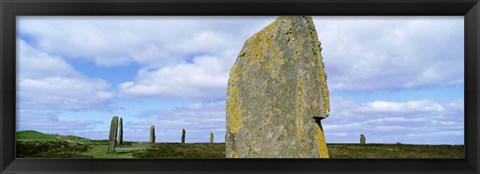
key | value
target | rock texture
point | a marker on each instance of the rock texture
(277, 94)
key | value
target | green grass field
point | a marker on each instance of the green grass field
(395, 151)
(32, 144)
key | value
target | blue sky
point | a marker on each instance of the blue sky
(394, 79)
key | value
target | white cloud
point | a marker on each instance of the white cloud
(181, 57)
(425, 121)
(360, 53)
(34, 63)
(423, 105)
(161, 40)
(205, 78)
(391, 53)
(63, 93)
(48, 82)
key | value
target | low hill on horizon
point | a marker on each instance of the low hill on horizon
(31, 135)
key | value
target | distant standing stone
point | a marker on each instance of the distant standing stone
(362, 139)
(211, 137)
(112, 139)
(120, 134)
(152, 134)
(183, 136)
(277, 94)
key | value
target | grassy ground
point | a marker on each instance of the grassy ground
(395, 151)
(100, 150)
(50, 149)
(178, 150)
(32, 144)
(30, 135)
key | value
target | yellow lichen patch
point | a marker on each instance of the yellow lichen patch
(324, 91)
(299, 127)
(300, 107)
(233, 77)
(312, 63)
(282, 61)
(321, 143)
(265, 83)
(227, 136)
(269, 65)
(277, 110)
(275, 69)
(290, 44)
(298, 50)
(236, 121)
(283, 79)
(259, 42)
(253, 62)
(244, 73)
(233, 154)
(234, 111)
(276, 66)
(323, 82)
(232, 100)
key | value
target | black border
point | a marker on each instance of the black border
(470, 9)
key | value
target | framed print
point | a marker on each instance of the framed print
(239, 87)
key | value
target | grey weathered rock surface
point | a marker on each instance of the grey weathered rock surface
(277, 94)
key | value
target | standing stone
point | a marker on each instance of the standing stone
(120, 134)
(183, 136)
(277, 94)
(362, 139)
(152, 134)
(211, 137)
(112, 139)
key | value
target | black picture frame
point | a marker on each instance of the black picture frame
(470, 9)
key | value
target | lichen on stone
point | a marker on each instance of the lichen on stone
(276, 90)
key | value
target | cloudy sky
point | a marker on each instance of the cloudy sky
(394, 79)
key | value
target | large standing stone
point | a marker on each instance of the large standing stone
(277, 94)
